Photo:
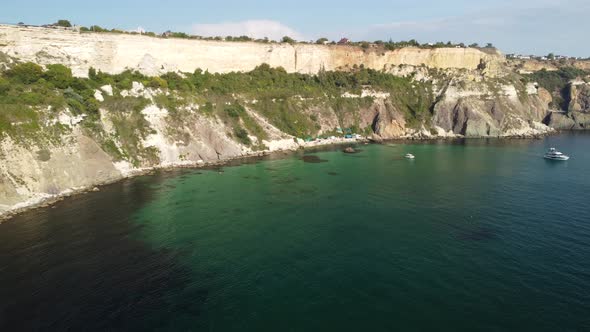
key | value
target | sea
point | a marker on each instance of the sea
(471, 235)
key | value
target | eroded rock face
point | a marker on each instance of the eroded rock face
(545, 97)
(577, 115)
(479, 110)
(28, 175)
(569, 121)
(113, 53)
(388, 122)
(579, 97)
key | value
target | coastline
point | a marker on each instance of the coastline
(49, 200)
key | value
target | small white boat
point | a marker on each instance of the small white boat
(553, 154)
(409, 156)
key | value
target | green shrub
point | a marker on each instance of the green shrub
(4, 85)
(76, 106)
(178, 35)
(157, 83)
(25, 73)
(117, 104)
(177, 82)
(242, 136)
(288, 39)
(92, 74)
(64, 23)
(32, 98)
(233, 111)
(58, 75)
(96, 28)
(92, 105)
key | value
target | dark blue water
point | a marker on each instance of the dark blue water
(472, 235)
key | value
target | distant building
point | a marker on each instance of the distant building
(344, 41)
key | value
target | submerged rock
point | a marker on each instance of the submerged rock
(349, 150)
(313, 159)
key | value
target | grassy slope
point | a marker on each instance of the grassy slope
(31, 96)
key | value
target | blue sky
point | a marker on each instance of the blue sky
(522, 26)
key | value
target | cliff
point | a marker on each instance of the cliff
(61, 133)
(533, 65)
(113, 53)
(576, 115)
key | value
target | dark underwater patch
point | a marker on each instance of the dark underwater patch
(112, 280)
(473, 233)
(479, 234)
(352, 151)
(313, 159)
(287, 180)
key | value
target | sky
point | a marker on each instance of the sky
(517, 26)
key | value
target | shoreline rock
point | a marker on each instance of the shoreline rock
(349, 149)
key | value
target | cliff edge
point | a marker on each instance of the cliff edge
(113, 53)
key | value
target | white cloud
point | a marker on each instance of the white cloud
(251, 28)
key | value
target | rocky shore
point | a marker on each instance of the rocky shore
(46, 200)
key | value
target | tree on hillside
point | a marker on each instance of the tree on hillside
(64, 23)
(58, 75)
(322, 40)
(26, 73)
(551, 56)
(474, 45)
(97, 28)
(288, 39)
(489, 45)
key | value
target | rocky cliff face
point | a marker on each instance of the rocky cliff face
(577, 115)
(533, 65)
(113, 53)
(445, 93)
(478, 110)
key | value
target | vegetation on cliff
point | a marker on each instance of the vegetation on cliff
(39, 105)
(556, 82)
(283, 98)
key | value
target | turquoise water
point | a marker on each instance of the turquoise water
(471, 235)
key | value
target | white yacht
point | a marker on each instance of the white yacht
(553, 154)
(409, 156)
